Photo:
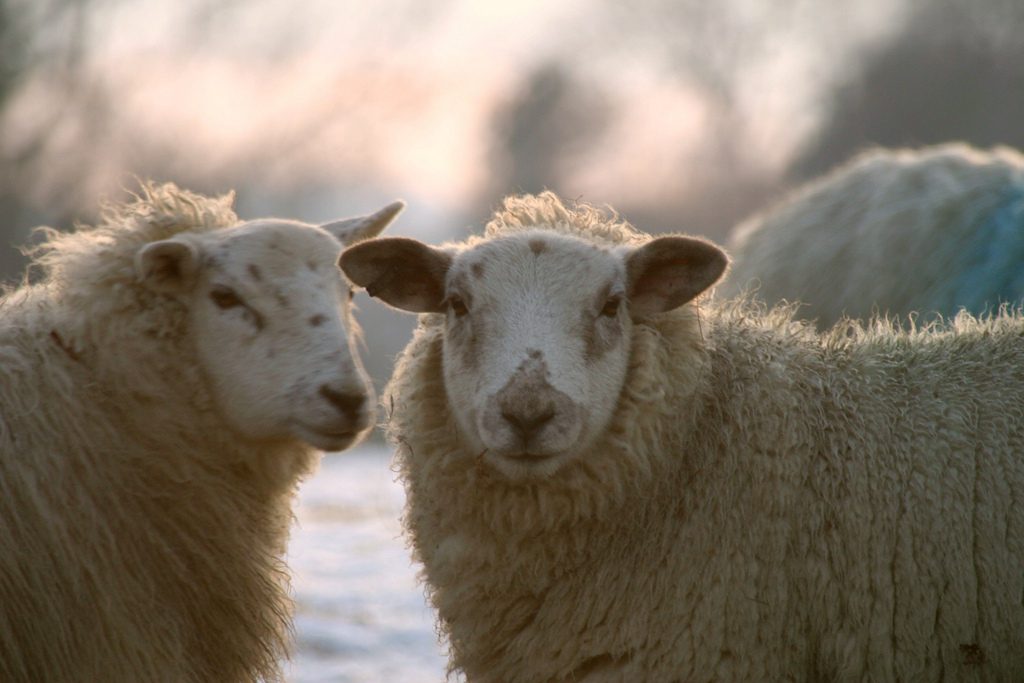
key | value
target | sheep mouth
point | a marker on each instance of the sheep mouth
(526, 456)
(327, 439)
(533, 459)
(526, 465)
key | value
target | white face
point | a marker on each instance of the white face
(537, 330)
(269, 316)
(536, 347)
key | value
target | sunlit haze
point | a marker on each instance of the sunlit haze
(402, 95)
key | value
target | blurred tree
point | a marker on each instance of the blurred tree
(955, 72)
(537, 133)
(43, 44)
(711, 46)
(722, 52)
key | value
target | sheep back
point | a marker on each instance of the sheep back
(928, 231)
(767, 504)
(142, 541)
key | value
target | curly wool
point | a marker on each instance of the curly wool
(144, 541)
(927, 231)
(767, 504)
(525, 212)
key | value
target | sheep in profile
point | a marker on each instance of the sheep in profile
(607, 483)
(930, 231)
(162, 390)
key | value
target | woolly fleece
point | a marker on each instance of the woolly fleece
(767, 504)
(142, 541)
(931, 231)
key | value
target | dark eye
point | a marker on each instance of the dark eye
(225, 297)
(611, 307)
(457, 306)
(351, 294)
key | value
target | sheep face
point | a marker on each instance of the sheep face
(535, 350)
(271, 324)
(537, 330)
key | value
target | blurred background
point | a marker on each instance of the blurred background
(682, 114)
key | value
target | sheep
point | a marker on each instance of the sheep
(164, 384)
(608, 482)
(926, 231)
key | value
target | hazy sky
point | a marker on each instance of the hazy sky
(401, 93)
(321, 109)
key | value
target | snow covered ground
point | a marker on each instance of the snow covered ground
(361, 616)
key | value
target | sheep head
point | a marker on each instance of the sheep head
(538, 326)
(269, 314)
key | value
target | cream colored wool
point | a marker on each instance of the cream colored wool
(766, 504)
(929, 231)
(141, 540)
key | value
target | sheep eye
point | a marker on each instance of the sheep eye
(225, 297)
(351, 294)
(611, 307)
(457, 306)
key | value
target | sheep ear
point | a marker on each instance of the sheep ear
(168, 266)
(667, 272)
(351, 230)
(402, 272)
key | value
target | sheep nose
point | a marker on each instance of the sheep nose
(528, 419)
(348, 404)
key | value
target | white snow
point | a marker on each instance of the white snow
(361, 615)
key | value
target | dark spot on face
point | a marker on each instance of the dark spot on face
(281, 299)
(535, 354)
(254, 271)
(461, 291)
(478, 269)
(255, 319)
(311, 265)
(317, 320)
(529, 383)
(466, 337)
(538, 246)
(600, 333)
(529, 407)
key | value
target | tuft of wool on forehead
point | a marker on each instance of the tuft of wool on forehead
(528, 212)
(156, 212)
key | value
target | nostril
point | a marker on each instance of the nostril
(348, 403)
(529, 422)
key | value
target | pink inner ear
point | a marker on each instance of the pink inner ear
(662, 287)
(670, 271)
(659, 282)
(402, 272)
(167, 265)
(400, 284)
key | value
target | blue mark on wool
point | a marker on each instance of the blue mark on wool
(995, 268)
